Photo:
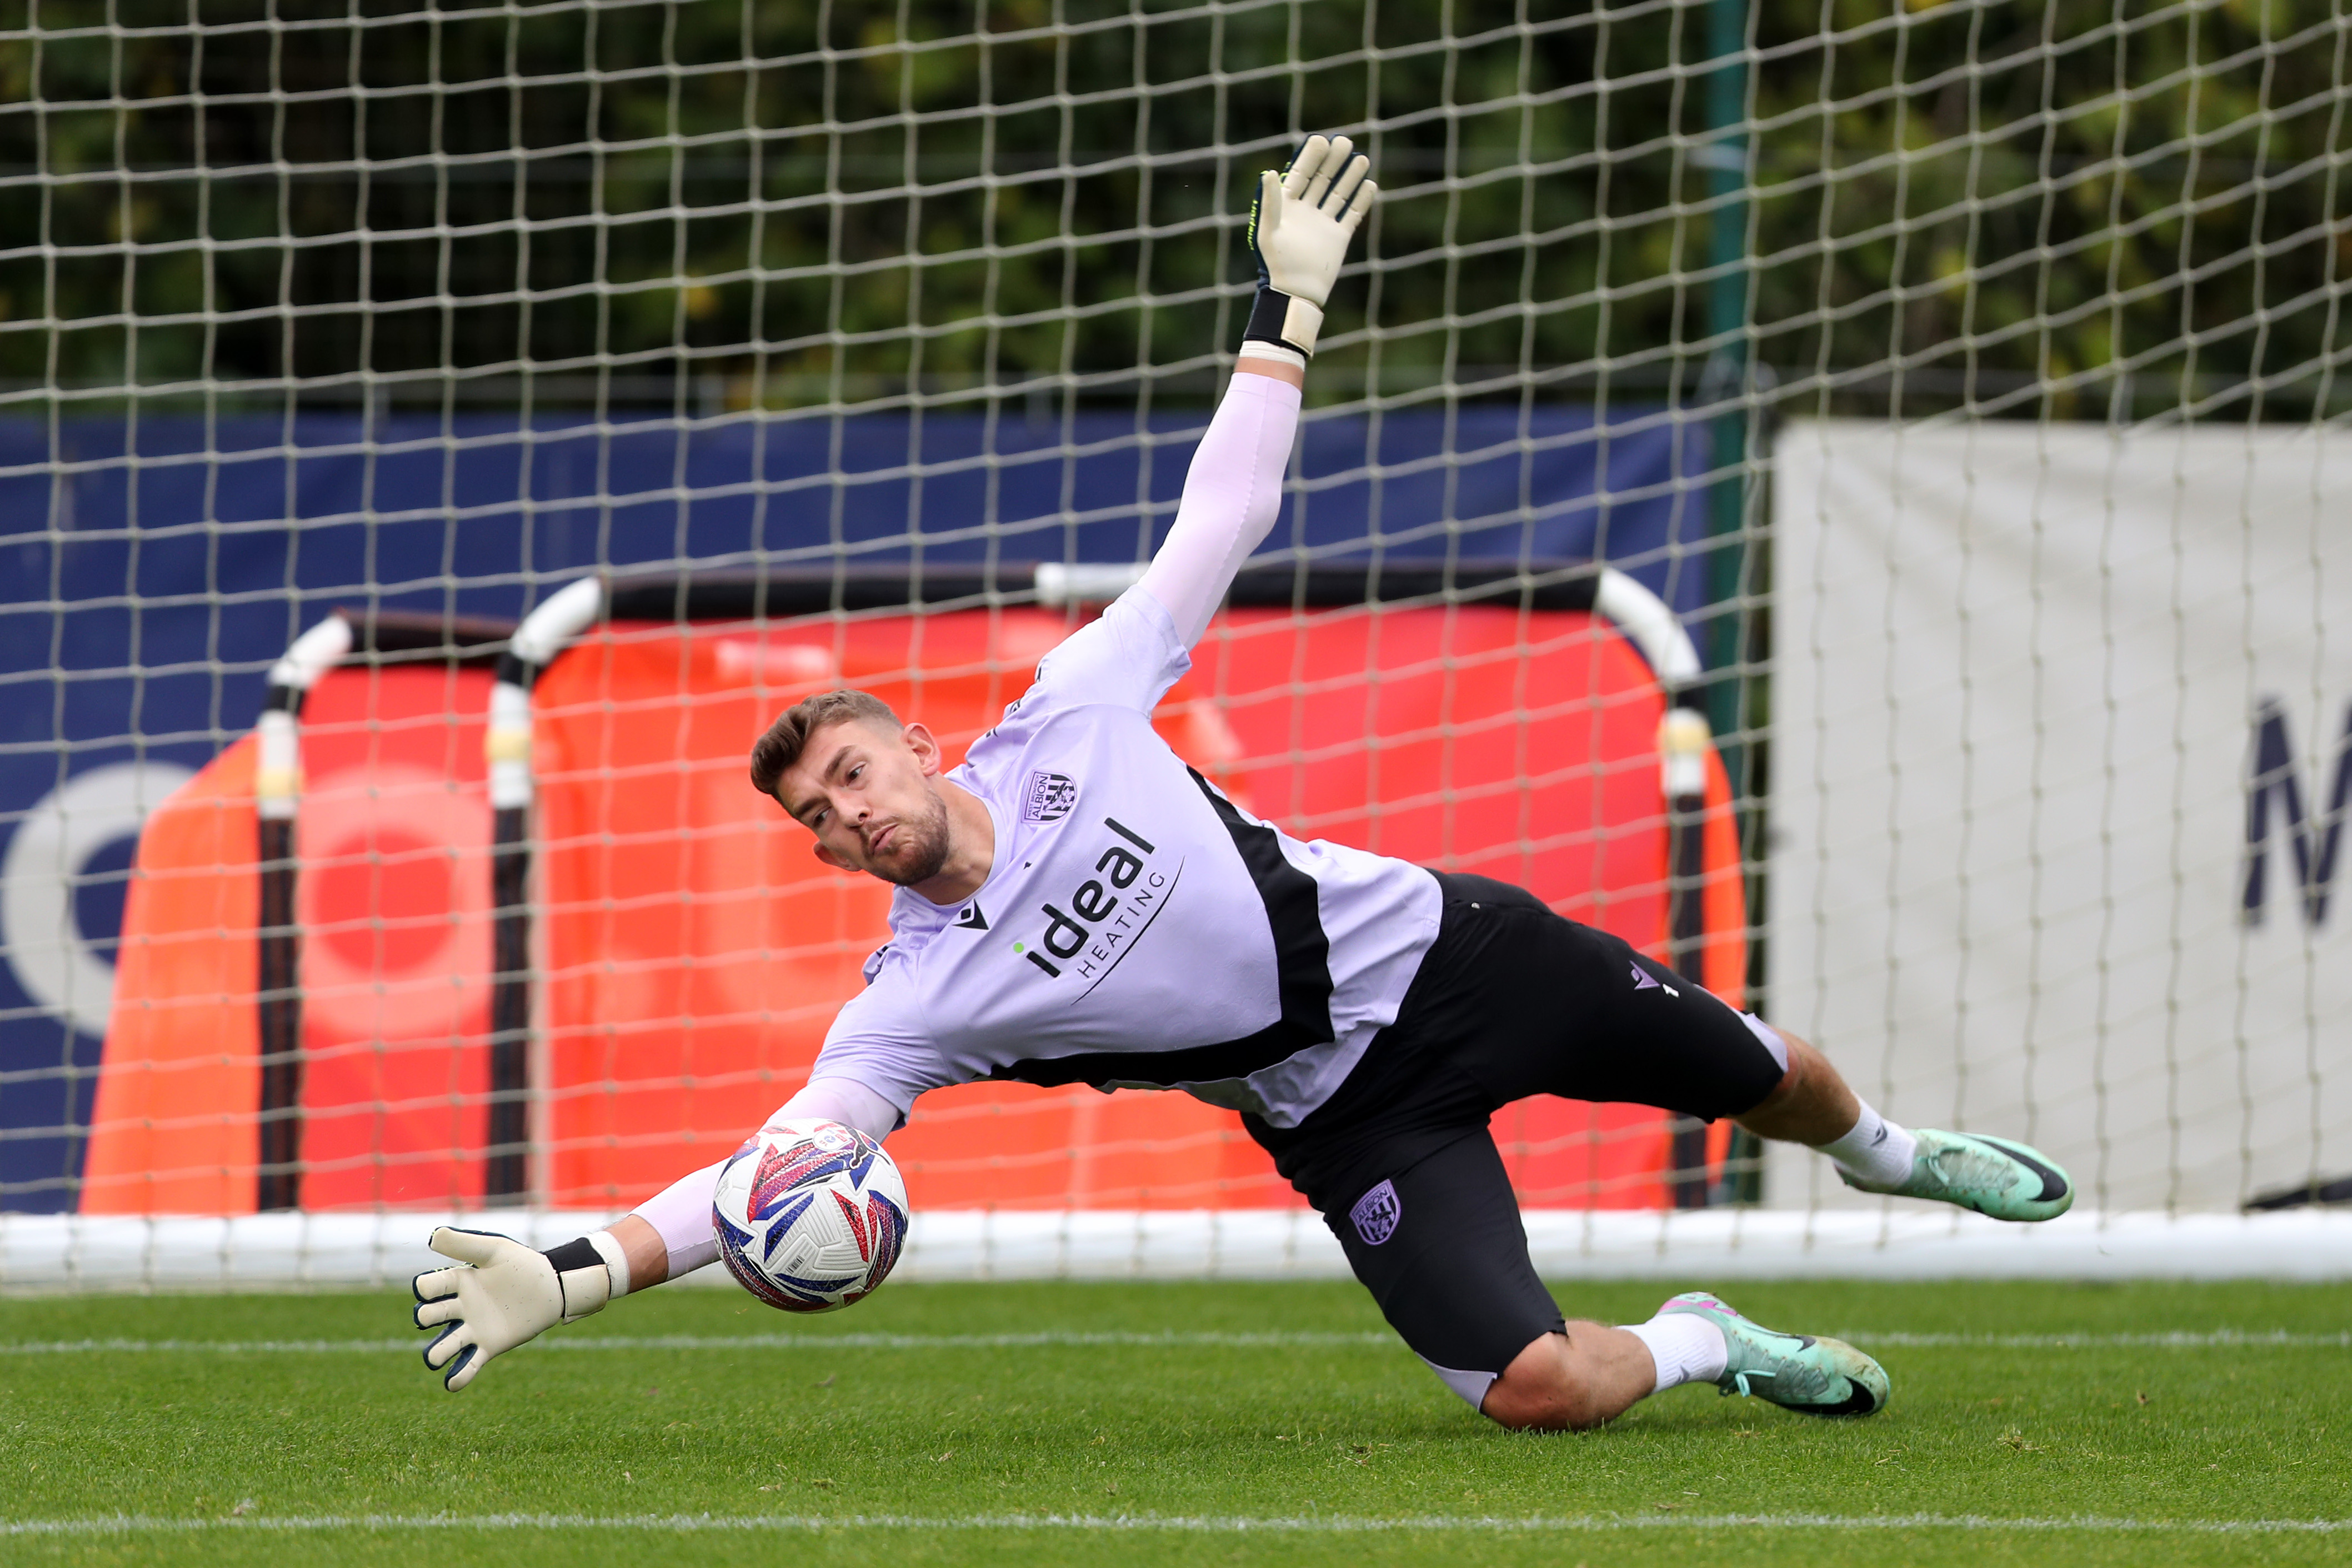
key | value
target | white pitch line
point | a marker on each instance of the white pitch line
(2214, 1339)
(1336, 1525)
(2180, 1339)
(1048, 1339)
(208, 1346)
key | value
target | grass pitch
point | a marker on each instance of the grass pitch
(1076, 1423)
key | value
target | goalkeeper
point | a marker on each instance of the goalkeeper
(1074, 905)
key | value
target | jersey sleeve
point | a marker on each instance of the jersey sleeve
(1128, 657)
(846, 1101)
(878, 1040)
(1232, 494)
(680, 1216)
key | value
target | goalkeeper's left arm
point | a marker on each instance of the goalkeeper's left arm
(500, 1292)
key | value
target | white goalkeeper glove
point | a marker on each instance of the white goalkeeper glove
(503, 1294)
(1299, 229)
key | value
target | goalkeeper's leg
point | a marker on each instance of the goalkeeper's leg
(1996, 1176)
(1439, 1244)
(1612, 1024)
(1512, 1002)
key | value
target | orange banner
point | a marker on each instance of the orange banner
(690, 950)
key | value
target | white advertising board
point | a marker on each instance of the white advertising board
(2061, 741)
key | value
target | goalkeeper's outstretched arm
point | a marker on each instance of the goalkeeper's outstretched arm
(1299, 229)
(499, 1293)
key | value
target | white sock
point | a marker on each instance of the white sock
(1686, 1346)
(1876, 1150)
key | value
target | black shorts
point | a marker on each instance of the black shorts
(1511, 1000)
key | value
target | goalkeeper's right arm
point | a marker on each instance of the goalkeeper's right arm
(500, 1292)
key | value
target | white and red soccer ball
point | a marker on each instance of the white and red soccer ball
(811, 1215)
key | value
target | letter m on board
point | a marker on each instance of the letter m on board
(2310, 838)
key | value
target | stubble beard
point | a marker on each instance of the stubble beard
(922, 846)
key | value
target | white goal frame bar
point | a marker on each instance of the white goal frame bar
(1693, 1246)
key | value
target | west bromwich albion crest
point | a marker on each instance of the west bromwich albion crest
(1049, 798)
(1376, 1214)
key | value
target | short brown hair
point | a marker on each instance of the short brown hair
(781, 747)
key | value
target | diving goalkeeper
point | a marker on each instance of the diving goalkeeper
(1076, 905)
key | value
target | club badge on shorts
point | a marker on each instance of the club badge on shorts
(1376, 1214)
(1049, 798)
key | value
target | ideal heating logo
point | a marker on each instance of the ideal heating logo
(1103, 920)
(2309, 838)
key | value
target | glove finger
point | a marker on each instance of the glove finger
(475, 1247)
(1345, 185)
(442, 1310)
(435, 1283)
(1366, 194)
(1335, 158)
(1267, 217)
(1302, 168)
(467, 1366)
(446, 1344)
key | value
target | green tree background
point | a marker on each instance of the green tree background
(2073, 207)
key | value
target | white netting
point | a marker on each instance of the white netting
(423, 313)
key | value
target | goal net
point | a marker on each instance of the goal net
(1838, 501)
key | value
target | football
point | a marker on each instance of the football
(811, 1215)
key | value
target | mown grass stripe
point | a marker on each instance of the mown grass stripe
(2211, 1339)
(135, 1524)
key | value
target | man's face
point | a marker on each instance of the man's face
(867, 792)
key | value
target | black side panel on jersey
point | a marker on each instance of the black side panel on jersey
(1302, 955)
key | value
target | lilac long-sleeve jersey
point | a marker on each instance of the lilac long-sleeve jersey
(1138, 929)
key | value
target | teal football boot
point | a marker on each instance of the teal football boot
(1795, 1370)
(1991, 1175)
